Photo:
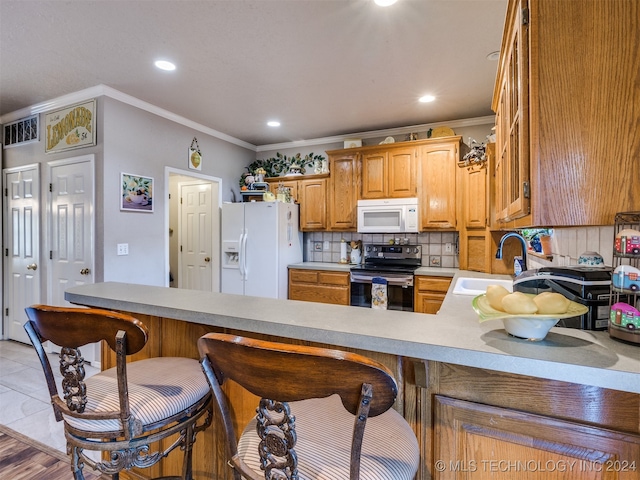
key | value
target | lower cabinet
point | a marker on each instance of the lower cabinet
(320, 286)
(472, 440)
(429, 293)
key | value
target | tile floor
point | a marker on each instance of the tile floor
(24, 399)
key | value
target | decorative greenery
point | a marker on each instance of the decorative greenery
(280, 164)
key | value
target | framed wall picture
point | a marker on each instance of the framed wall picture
(70, 127)
(137, 193)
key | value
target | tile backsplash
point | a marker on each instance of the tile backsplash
(570, 242)
(434, 245)
(567, 245)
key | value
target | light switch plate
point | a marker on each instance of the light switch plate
(123, 249)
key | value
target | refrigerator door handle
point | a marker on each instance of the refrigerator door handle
(243, 255)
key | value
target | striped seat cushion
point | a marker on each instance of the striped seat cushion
(158, 389)
(324, 429)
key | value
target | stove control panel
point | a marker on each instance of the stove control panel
(393, 251)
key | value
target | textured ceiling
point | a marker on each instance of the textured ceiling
(321, 67)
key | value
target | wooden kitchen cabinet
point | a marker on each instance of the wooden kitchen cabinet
(389, 172)
(475, 236)
(566, 100)
(493, 442)
(344, 183)
(313, 204)
(320, 286)
(310, 192)
(437, 185)
(429, 293)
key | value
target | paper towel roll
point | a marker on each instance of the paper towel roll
(343, 252)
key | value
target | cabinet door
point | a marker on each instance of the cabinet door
(401, 173)
(374, 180)
(438, 164)
(487, 442)
(313, 204)
(475, 197)
(343, 191)
(512, 117)
(292, 185)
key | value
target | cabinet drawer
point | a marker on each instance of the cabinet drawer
(320, 293)
(333, 278)
(304, 276)
(432, 284)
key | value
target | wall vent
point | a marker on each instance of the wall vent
(25, 130)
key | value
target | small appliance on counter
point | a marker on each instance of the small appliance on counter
(589, 286)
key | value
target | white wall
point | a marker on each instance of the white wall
(142, 143)
(132, 140)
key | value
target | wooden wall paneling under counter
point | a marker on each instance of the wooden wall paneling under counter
(518, 418)
(586, 419)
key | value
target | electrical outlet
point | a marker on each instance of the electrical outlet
(326, 246)
(123, 249)
(317, 246)
(448, 247)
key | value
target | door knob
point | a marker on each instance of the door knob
(207, 259)
(85, 271)
(32, 266)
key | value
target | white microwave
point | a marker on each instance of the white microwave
(388, 215)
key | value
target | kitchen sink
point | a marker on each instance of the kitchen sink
(478, 286)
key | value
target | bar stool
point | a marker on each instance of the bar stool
(125, 409)
(313, 409)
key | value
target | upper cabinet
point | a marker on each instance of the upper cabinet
(389, 173)
(512, 119)
(310, 191)
(437, 191)
(566, 102)
(343, 190)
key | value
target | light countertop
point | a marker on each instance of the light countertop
(454, 335)
(345, 267)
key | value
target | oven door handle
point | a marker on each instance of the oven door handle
(405, 281)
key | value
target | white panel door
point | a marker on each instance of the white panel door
(22, 252)
(71, 226)
(197, 255)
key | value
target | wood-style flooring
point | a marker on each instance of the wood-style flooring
(22, 458)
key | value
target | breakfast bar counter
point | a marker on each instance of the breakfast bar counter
(461, 382)
(454, 335)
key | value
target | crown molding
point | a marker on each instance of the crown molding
(104, 90)
(468, 122)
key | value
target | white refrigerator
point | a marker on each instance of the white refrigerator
(259, 240)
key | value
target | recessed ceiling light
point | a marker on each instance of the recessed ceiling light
(273, 123)
(385, 3)
(493, 56)
(164, 65)
(426, 99)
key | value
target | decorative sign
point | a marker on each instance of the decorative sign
(195, 157)
(71, 127)
(137, 193)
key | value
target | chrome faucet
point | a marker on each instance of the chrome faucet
(523, 242)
